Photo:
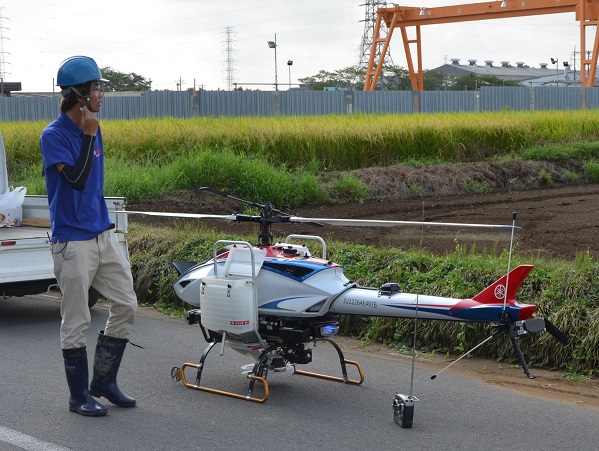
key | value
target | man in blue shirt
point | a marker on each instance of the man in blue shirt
(84, 248)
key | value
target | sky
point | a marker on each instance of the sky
(182, 43)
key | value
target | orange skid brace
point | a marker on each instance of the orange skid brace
(222, 392)
(344, 379)
(178, 374)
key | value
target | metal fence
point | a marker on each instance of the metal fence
(300, 103)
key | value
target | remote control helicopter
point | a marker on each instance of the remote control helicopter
(270, 301)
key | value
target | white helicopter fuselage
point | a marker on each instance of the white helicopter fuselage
(278, 293)
(306, 287)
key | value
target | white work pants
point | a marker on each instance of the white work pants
(99, 263)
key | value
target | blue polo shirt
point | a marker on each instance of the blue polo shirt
(74, 215)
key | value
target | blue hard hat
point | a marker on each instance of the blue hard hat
(78, 70)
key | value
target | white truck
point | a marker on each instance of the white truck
(26, 265)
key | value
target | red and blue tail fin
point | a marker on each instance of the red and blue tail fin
(496, 292)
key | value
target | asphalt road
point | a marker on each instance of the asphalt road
(454, 412)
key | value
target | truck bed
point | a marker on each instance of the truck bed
(26, 264)
(24, 232)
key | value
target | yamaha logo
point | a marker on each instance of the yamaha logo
(500, 291)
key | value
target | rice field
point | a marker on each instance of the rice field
(148, 157)
(331, 142)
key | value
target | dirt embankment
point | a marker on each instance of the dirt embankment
(558, 212)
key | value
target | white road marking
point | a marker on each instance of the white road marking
(27, 442)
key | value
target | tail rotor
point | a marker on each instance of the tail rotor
(556, 333)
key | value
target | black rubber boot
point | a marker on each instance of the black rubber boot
(109, 353)
(75, 365)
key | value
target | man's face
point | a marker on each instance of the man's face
(94, 102)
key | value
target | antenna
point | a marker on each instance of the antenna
(229, 61)
(369, 23)
(509, 259)
(403, 405)
(417, 305)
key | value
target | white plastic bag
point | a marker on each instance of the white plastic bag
(13, 198)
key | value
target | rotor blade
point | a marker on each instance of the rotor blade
(179, 215)
(217, 192)
(556, 333)
(382, 223)
(220, 193)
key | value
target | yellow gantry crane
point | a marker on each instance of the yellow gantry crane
(411, 18)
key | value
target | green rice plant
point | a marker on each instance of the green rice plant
(31, 177)
(348, 187)
(148, 157)
(253, 178)
(583, 261)
(338, 142)
(21, 141)
(544, 178)
(571, 176)
(351, 141)
(565, 151)
(591, 169)
(475, 187)
(414, 190)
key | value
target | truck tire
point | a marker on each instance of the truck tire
(39, 287)
(93, 296)
(19, 289)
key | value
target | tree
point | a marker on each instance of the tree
(433, 81)
(321, 80)
(120, 81)
(393, 78)
(351, 77)
(396, 78)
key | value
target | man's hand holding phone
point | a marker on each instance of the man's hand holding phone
(89, 122)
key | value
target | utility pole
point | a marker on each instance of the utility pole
(574, 53)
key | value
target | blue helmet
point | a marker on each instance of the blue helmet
(78, 70)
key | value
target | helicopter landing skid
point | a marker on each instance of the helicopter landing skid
(178, 374)
(343, 363)
(259, 373)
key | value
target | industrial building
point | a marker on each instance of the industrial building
(546, 74)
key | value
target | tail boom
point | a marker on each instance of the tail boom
(486, 306)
